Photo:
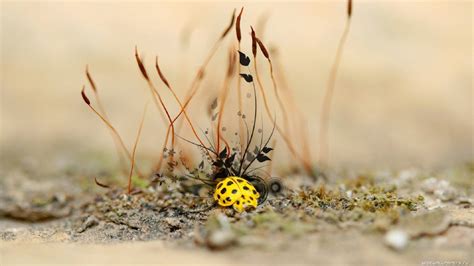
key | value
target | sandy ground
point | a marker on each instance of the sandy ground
(320, 249)
(286, 229)
(337, 248)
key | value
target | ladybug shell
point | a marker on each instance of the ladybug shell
(237, 192)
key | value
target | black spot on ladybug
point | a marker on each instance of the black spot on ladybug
(228, 198)
(240, 180)
(223, 190)
(234, 191)
(243, 197)
(230, 183)
(251, 197)
(218, 196)
(246, 188)
(254, 191)
(219, 186)
(238, 202)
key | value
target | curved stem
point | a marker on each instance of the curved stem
(304, 161)
(137, 139)
(323, 155)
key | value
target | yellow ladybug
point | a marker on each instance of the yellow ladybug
(237, 192)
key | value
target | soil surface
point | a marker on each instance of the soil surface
(369, 217)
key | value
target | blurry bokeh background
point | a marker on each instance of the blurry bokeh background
(403, 95)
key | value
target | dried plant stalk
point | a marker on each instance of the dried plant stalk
(158, 101)
(306, 152)
(137, 139)
(165, 81)
(239, 84)
(223, 96)
(304, 161)
(285, 88)
(155, 94)
(254, 42)
(275, 88)
(323, 155)
(237, 25)
(297, 116)
(159, 163)
(190, 95)
(231, 24)
(349, 8)
(104, 113)
(109, 125)
(195, 84)
(304, 138)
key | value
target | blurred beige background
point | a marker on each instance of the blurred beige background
(403, 95)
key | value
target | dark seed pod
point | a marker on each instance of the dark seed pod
(263, 49)
(237, 25)
(254, 43)
(162, 77)
(140, 64)
(349, 8)
(84, 97)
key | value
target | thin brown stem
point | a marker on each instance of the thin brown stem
(304, 161)
(200, 73)
(266, 54)
(305, 140)
(165, 81)
(280, 101)
(93, 85)
(137, 139)
(285, 88)
(323, 155)
(223, 96)
(239, 83)
(297, 116)
(112, 128)
(197, 80)
(262, 91)
(226, 145)
(160, 159)
(239, 97)
(155, 95)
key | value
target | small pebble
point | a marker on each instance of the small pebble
(442, 189)
(90, 222)
(396, 239)
(221, 239)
